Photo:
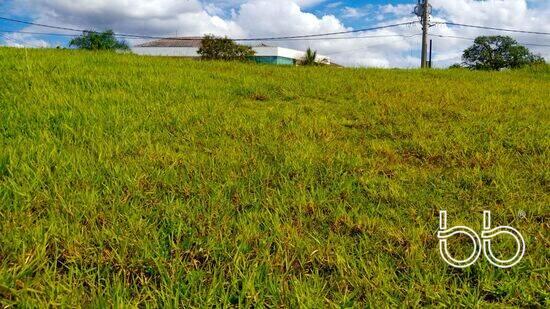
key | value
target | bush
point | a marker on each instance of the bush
(214, 48)
(456, 66)
(93, 40)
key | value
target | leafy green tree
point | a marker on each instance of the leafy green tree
(310, 58)
(498, 52)
(215, 48)
(92, 40)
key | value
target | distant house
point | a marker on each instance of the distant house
(189, 46)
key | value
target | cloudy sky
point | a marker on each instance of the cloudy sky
(261, 18)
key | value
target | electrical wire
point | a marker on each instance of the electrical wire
(304, 39)
(308, 37)
(7, 38)
(351, 37)
(473, 39)
(491, 28)
(311, 39)
(41, 33)
(329, 34)
(237, 39)
(374, 45)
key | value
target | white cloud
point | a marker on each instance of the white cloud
(151, 17)
(236, 3)
(213, 9)
(510, 14)
(308, 3)
(258, 18)
(397, 10)
(333, 5)
(23, 40)
(349, 12)
(265, 17)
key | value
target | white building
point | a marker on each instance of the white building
(189, 46)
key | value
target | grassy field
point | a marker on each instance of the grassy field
(138, 181)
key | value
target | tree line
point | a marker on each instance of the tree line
(487, 52)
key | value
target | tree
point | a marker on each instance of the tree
(456, 66)
(498, 52)
(214, 48)
(310, 58)
(92, 40)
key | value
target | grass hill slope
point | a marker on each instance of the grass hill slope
(168, 182)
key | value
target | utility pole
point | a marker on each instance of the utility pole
(422, 10)
(425, 16)
(430, 61)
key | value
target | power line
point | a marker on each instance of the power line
(345, 38)
(312, 39)
(38, 25)
(329, 34)
(308, 37)
(41, 33)
(379, 44)
(243, 39)
(54, 34)
(303, 39)
(492, 28)
(473, 39)
(370, 37)
(70, 29)
(7, 38)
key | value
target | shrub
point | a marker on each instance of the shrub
(456, 66)
(93, 40)
(214, 48)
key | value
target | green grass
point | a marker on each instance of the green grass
(137, 181)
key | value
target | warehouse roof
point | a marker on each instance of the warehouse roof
(192, 41)
(174, 42)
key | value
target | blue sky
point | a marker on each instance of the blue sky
(340, 8)
(21, 10)
(258, 18)
(17, 9)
